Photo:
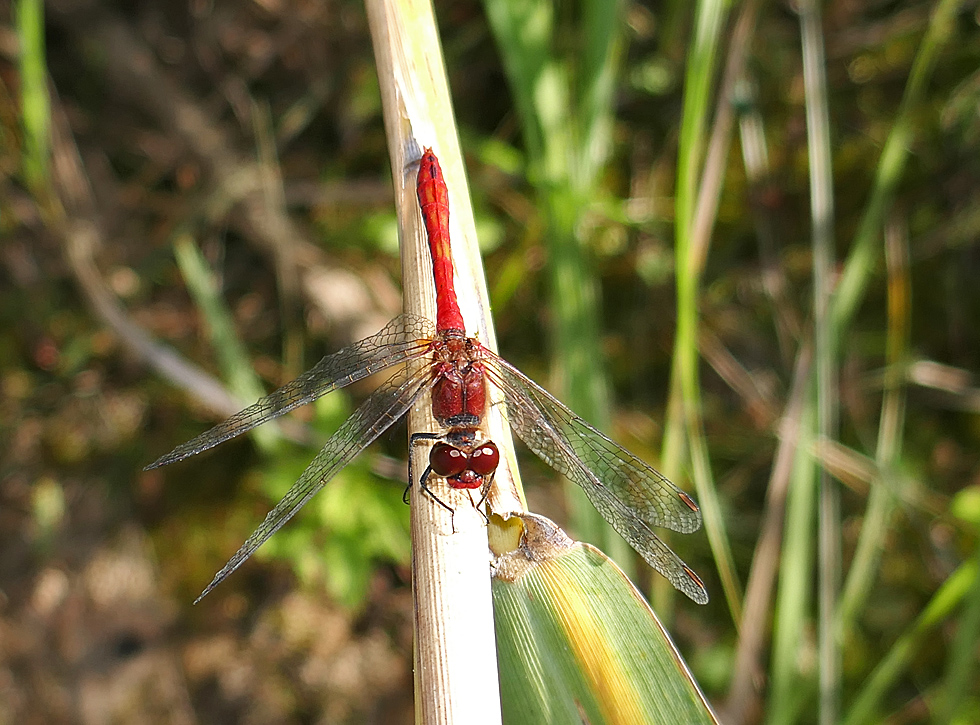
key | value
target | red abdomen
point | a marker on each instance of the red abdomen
(434, 201)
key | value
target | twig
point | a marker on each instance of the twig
(75, 220)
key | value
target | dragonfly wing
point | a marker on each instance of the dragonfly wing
(590, 459)
(385, 406)
(657, 554)
(627, 492)
(401, 339)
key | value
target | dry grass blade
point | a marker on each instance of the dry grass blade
(455, 650)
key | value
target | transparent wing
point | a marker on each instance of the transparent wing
(654, 551)
(627, 492)
(401, 339)
(590, 459)
(385, 406)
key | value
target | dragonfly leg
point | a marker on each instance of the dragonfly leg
(415, 439)
(422, 481)
(484, 493)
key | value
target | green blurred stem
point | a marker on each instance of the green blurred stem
(881, 500)
(862, 258)
(962, 582)
(699, 242)
(565, 102)
(822, 215)
(232, 357)
(788, 690)
(860, 266)
(961, 668)
(858, 270)
(684, 421)
(34, 98)
(287, 269)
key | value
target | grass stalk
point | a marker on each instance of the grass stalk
(233, 359)
(756, 615)
(788, 692)
(882, 498)
(862, 258)
(866, 706)
(565, 105)
(287, 274)
(961, 667)
(34, 99)
(702, 227)
(685, 428)
(858, 269)
(822, 217)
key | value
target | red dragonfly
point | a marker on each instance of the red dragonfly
(630, 495)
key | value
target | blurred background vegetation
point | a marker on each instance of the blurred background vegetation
(192, 191)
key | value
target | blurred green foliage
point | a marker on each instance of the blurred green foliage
(355, 524)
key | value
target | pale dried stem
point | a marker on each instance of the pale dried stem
(455, 649)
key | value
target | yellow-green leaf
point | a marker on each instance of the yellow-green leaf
(578, 643)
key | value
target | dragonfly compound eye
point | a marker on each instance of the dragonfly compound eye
(447, 460)
(484, 460)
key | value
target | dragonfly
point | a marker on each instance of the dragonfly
(440, 360)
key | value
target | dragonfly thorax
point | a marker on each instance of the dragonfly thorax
(459, 393)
